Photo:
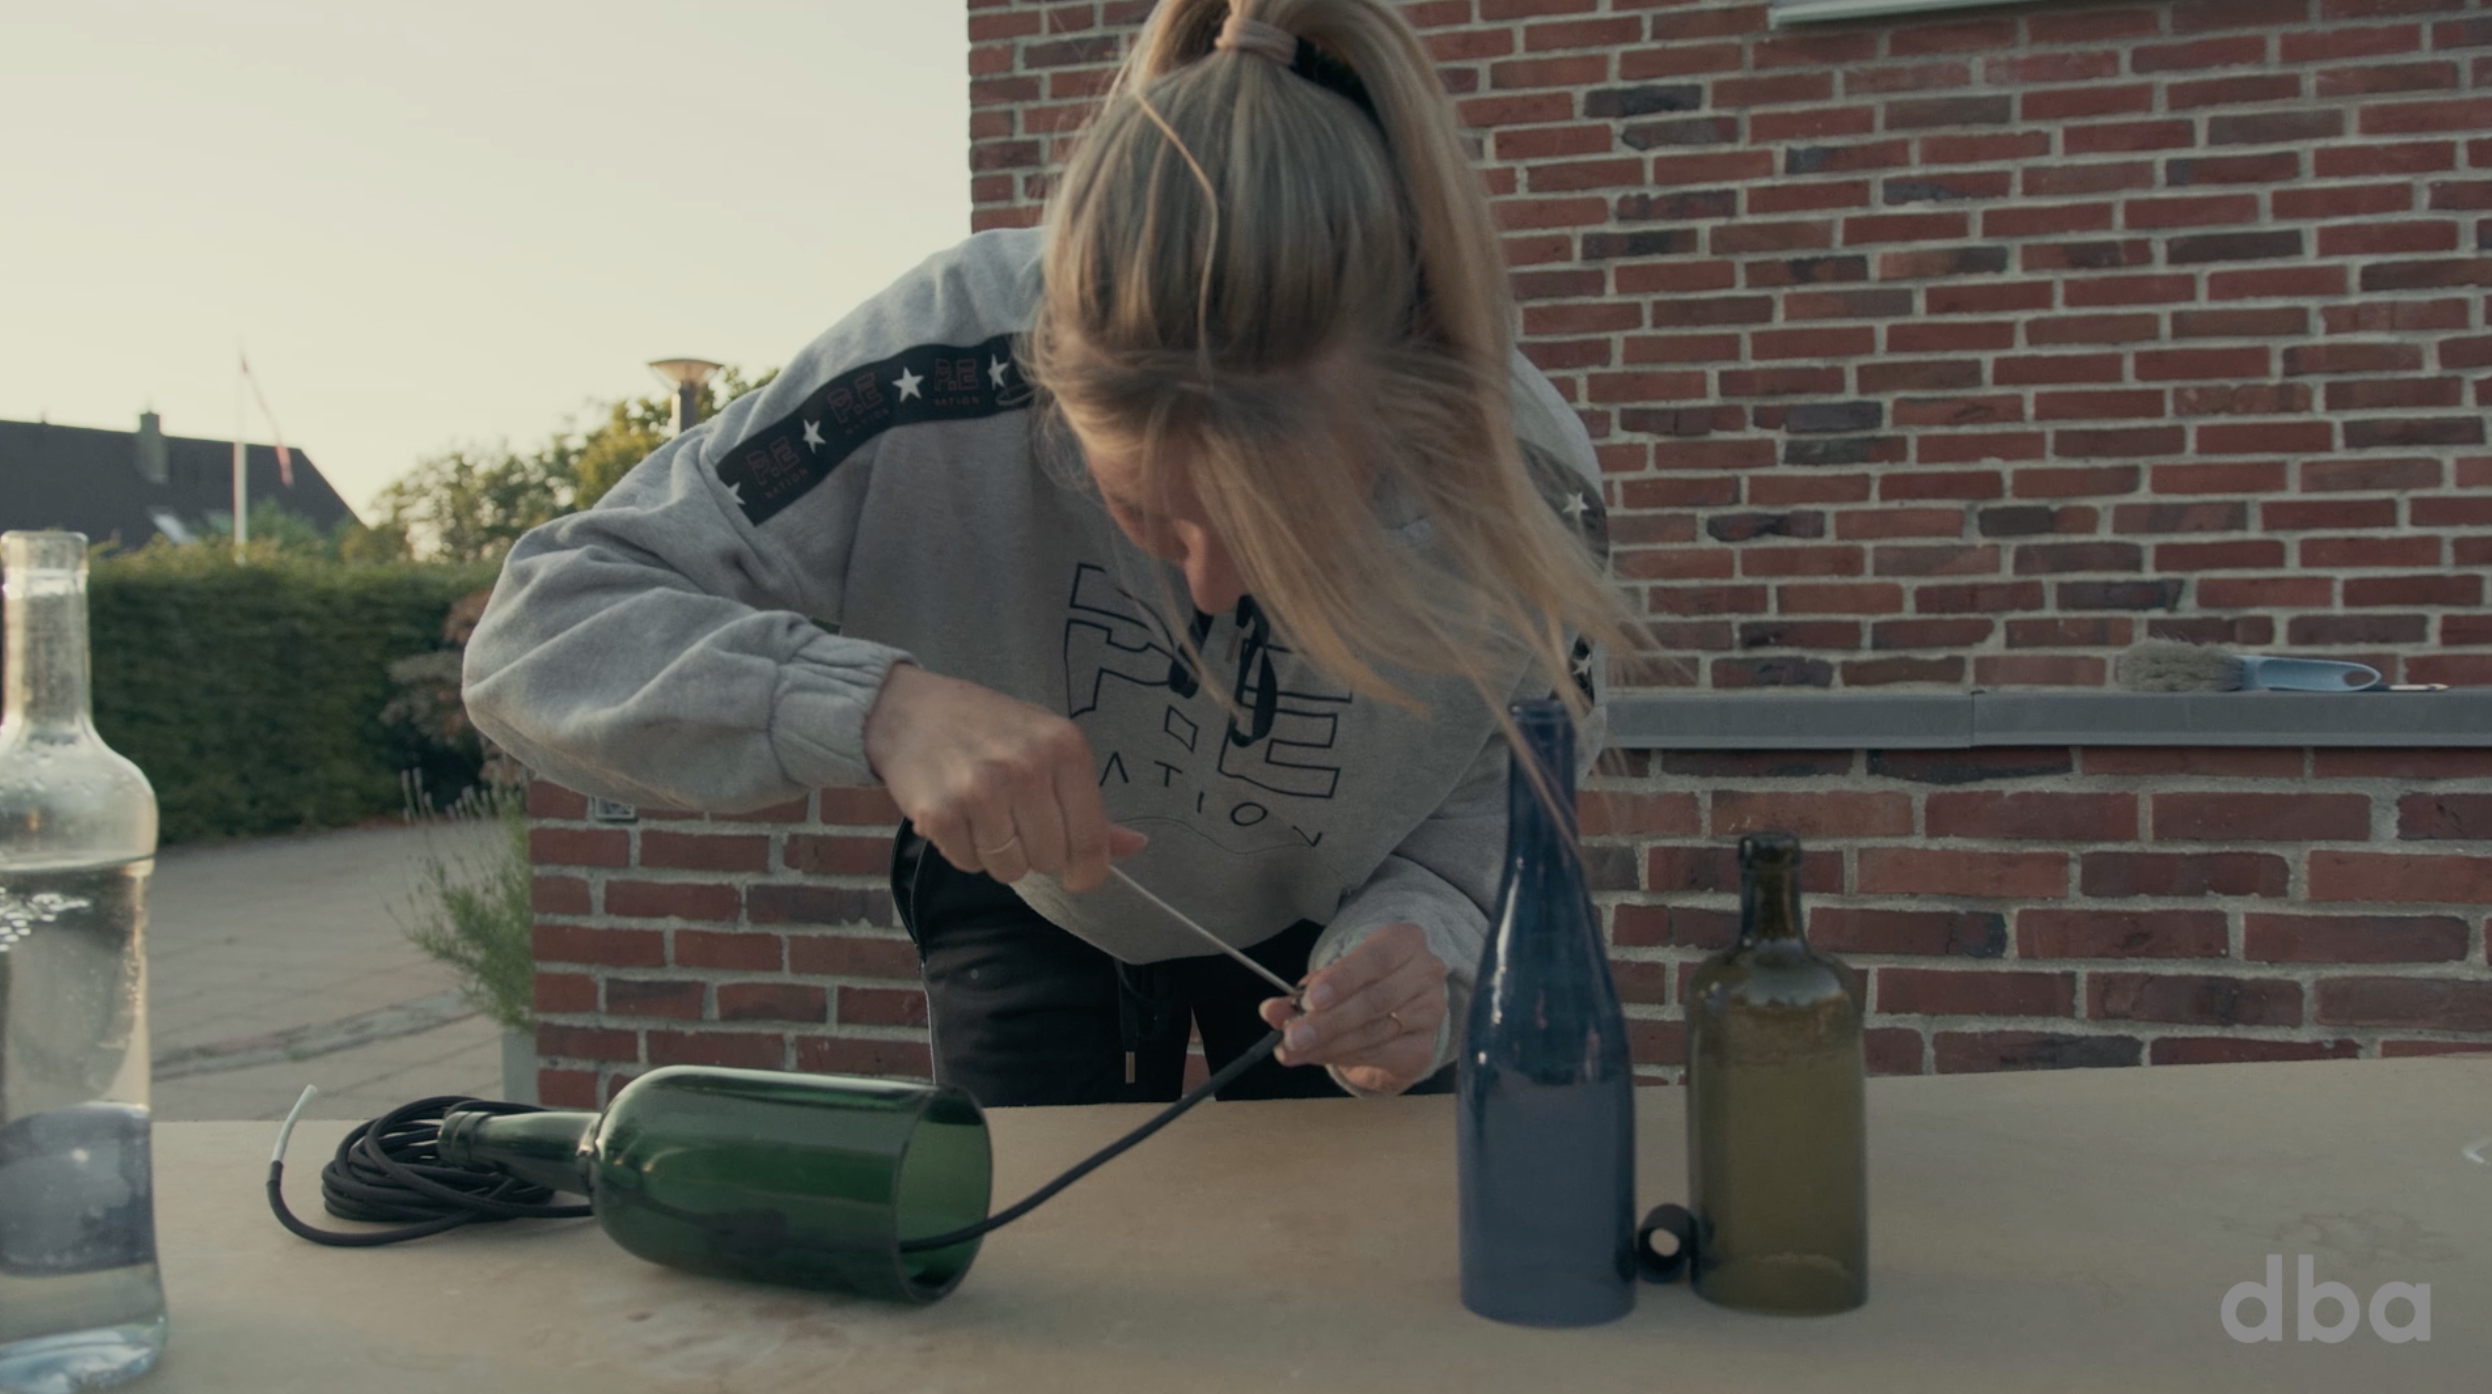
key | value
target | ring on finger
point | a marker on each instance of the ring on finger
(984, 852)
(1400, 1026)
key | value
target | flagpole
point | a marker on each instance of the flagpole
(285, 458)
(242, 473)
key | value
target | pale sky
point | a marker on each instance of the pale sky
(451, 221)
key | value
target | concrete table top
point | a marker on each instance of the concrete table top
(2073, 1230)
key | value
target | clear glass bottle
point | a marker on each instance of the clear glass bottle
(1545, 1110)
(816, 1181)
(1777, 1132)
(81, 1305)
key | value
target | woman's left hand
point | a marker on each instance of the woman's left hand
(1372, 1013)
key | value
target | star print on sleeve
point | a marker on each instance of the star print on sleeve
(855, 402)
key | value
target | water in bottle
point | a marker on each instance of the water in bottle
(81, 1306)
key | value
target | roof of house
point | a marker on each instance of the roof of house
(89, 481)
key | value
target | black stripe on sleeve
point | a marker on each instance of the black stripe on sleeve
(1569, 496)
(781, 462)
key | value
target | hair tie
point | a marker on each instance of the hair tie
(1258, 38)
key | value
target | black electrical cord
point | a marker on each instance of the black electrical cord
(391, 1169)
(1253, 1056)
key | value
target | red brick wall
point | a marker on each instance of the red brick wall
(1970, 348)
(2008, 908)
(2019, 908)
(1952, 350)
(765, 941)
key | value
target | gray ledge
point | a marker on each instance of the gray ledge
(1962, 720)
(1787, 12)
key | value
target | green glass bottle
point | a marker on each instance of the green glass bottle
(1777, 1149)
(814, 1181)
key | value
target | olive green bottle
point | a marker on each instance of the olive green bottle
(1777, 1151)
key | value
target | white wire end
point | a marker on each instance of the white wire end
(286, 1131)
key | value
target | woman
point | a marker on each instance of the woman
(1209, 528)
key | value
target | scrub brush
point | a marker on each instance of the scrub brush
(2163, 666)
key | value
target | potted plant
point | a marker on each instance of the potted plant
(471, 911)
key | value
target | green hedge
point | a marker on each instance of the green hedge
(252, 694)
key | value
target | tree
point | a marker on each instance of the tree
(470, 503)
(631, 432)
(277, 532)
(634, 429)
(358, 545)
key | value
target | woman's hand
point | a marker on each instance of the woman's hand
(1372, 1013)
(996, 784)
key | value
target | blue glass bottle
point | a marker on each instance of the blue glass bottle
(1545, 1119)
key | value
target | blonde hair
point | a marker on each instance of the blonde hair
(1289, 275)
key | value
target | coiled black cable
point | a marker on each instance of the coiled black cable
(391, 1169)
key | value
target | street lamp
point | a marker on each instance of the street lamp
(685, 375)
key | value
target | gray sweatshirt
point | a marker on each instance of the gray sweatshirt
(713, 632)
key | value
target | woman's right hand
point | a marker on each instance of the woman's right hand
(996, 784)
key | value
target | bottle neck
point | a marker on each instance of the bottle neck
(1769, 906)
(46, 649)
(543, 1148)
(1540, 814)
